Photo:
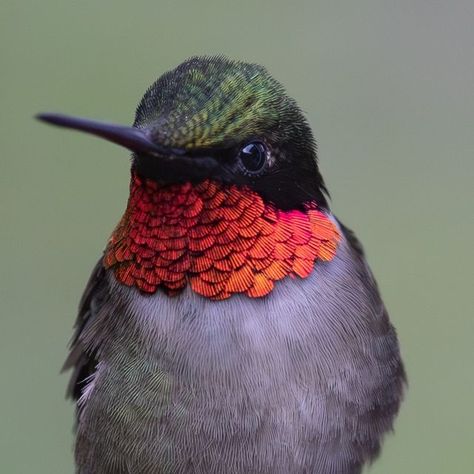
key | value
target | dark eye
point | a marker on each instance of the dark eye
(253, 157)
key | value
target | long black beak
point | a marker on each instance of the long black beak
(135, 139)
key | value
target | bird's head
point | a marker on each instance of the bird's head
(225, 120)
(224, 170)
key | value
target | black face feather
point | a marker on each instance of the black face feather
(288, 180)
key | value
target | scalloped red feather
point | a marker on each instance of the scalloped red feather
(220, 239)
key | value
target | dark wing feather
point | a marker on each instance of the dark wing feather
(350, 236)
(82, 361)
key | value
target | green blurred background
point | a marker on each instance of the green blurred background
(389, 90)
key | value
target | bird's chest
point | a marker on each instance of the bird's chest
(181, 351)
(186, 378)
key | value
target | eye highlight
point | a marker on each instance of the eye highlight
(253, 157)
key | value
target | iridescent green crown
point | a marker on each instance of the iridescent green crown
(209, 102)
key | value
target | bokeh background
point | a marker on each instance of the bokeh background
(389, 90)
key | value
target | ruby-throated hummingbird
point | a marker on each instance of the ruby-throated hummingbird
(232, 324)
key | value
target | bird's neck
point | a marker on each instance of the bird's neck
(219, 239)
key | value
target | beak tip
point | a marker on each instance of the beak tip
(48, 118)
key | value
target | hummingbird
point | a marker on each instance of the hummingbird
(232, 324)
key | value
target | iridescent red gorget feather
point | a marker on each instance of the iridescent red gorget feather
(220, 239)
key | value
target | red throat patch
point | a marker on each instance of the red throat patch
(220, 239)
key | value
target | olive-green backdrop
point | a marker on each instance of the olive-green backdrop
(389, 90)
